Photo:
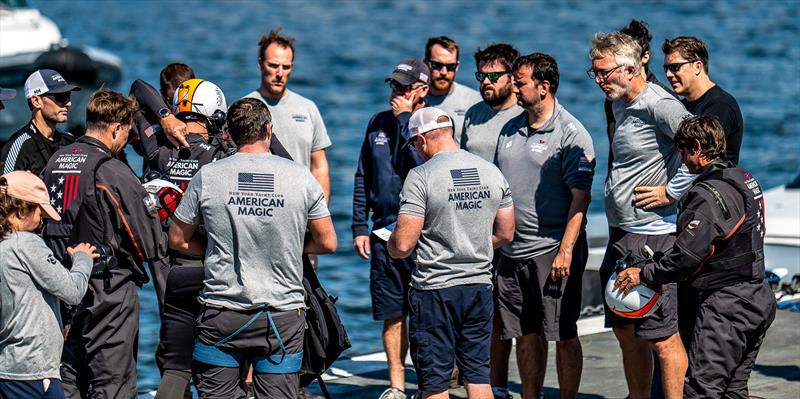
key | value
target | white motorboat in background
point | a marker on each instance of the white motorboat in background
(782, 240)
(31, 41)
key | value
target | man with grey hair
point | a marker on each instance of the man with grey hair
(644, 155)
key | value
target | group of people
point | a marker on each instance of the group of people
(477, 202)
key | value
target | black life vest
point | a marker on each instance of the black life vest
(180, 171)
(738, 256)
(70, 180)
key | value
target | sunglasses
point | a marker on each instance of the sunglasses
(436, 66)
(397, 87)
(61, 98)
(492, 76)
(675, 67)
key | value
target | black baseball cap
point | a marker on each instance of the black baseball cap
(46, 81)
(409, 71)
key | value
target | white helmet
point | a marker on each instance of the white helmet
(641, 301)
(162, 198)
(196, 98)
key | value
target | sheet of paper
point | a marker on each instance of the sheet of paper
(385, 232)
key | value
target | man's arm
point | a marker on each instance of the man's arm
(405, 236)
(183, 238)
(319, 169)
(322, 239)
(361, 187)
(575, 218)
(151, 103)
(503, 227)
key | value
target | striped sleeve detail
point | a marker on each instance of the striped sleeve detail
(13, 153)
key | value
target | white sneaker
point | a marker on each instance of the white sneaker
(393, 393)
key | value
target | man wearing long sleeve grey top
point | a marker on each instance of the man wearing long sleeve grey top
(644, 156)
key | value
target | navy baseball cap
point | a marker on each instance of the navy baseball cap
(7, 94)
(410, 71)
(46, 81)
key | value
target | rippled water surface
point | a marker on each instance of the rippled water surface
(344, 50)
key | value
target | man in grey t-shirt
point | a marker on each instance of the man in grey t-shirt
(454, 210)
(256, 209)
(296, 119)
(548, 158)
(441, 56)
(484, 120)
(644, 155)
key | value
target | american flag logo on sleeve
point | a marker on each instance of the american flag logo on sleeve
(465, 177)
(263, 182)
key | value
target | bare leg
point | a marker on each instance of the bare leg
(673, 360)
(436, 395)
(395, 343)
(569, 363)
(637, 360)
(479, 391)
(500, 352)
(532, 363)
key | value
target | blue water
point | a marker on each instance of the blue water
(344, 50)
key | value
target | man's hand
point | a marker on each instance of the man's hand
(361, 244)
(649, 197)
(175, 130)
(561, 264)
(401, 104)
(628, 279)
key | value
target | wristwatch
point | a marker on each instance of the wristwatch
(163, 113)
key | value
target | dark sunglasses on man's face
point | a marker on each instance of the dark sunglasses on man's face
(61, 98)
(437, 66)
(492, 76)
(397, 87)
(675, 67)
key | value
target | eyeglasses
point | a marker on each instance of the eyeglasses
(603, 75)
(60, 98)
(399, 88)
(436, 66)
(676, 66)
(492, 76)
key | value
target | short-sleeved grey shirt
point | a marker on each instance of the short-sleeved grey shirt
(542, 166)
(458, 194)
(482, 126)
(297, 124)
(644, 154)
(255, 208)
(456, 103)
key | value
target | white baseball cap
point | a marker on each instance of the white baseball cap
(426, 119)
(47, 81)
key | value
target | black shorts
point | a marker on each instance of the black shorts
(446, 325)
(529, 301)
(388, 282)
(664, 321)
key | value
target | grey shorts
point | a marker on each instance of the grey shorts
(529, 301)
(664, 321)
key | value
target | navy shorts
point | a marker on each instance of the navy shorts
(13, 389)
(388, 282)
(529, 301)
(446, 325)
(664, 321)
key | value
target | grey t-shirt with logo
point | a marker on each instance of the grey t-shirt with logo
(482, 127)
(297, 124)
(458, 194)
(644, 154)
(542, 166)
(255, 208)
(456, 103)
